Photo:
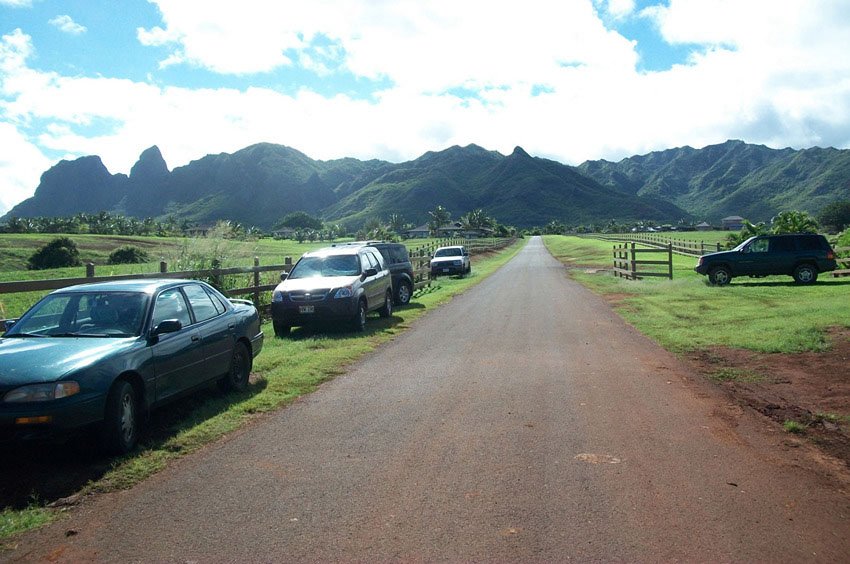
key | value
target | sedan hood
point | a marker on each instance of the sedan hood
(316, 283)
(46, 359)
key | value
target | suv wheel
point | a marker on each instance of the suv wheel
(403, 293)
(720, 276)
(280, 329)
(805, 274)
(387, 310)
(359, 321)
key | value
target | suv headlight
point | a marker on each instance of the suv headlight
(277, 296)
(343, 293)
(42, 392)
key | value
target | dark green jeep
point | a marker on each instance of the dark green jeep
(801, 255)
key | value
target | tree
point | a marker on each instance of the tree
(836, 215)
(793, 222)
(59, 253)
(747, 231)
(300, 220)
(439, 217)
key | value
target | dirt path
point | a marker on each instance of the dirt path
(524, 421)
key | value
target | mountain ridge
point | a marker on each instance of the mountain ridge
(261, 183)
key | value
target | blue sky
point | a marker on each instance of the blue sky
(569, 80)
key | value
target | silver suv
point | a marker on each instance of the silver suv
(333, 284)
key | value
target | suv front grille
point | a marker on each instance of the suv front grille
(309, 296)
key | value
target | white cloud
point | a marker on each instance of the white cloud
(21, 165)
(67, 24)
(761, 73)
(16, 3)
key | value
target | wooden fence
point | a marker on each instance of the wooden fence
(627, 265)
(420, 257)
(677, 246)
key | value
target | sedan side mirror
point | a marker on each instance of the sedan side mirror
(167, 326)
(9, 323)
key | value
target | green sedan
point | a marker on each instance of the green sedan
(103, 355)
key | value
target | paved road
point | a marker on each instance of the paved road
(521, 422)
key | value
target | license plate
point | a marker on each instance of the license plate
(306, 309)
(446, 269)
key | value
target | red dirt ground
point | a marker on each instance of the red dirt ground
(810, 388)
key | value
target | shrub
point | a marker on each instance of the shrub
(128, 255)
(59, 253)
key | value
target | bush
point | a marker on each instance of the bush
(127, 255)
(59, 253)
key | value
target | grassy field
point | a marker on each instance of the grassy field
(769, 314)
(286, 369)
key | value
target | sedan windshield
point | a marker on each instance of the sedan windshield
(448, 253)
(334, 265)
(84, 314)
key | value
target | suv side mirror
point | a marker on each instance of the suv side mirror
(371, 272)
(283, 276)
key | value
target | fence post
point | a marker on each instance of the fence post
(634, 262)
(163, 267)
(89, 270)
(256, 282)
(670, 260)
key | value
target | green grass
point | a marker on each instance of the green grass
(794, 427)
(289, 368)
(763, 314)
(736, 375)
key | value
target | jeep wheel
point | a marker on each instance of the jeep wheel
(805, 274)
(358, 323)
(720, 276)
(403, 293)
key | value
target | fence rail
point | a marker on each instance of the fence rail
(627, 265)
(678, 246)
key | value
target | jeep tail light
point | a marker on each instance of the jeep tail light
(830, 255)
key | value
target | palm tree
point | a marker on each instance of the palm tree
(439, 217)
(794, 222)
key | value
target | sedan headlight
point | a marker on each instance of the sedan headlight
(42, 392)
(343, 293)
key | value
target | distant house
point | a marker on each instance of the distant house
(285, 233)
(447, 231)
(704, 226)
(421, 232)
(733, 223)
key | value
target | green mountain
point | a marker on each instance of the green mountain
(262, 183)
(732, 178)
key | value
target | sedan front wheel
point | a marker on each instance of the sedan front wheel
(121, 422)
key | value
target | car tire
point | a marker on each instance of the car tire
(403, 293)
(236, 379)
(281, 329)
(805, 274)
(358, 322)
(387, 310)
(121, 419)
(720, 276)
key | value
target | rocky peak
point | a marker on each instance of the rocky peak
(150, 166)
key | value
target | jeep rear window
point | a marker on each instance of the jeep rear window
(811, 243)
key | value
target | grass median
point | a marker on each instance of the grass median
(286, 369)
(771, 314)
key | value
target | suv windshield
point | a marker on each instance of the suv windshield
(448, 253)
(334, 265)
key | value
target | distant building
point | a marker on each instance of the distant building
(421, 232)
(704, 226)
(733, 223)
